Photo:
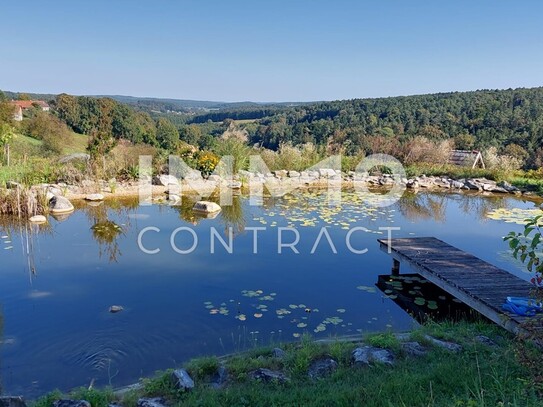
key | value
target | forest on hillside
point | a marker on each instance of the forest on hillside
(510, 121)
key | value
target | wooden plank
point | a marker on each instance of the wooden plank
(473, 281)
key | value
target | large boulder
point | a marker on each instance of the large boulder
(206, 207)
(59, 205)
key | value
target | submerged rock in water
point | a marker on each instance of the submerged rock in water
(60, 205)
(182, 380)
(71, 403)
(322, 367)
(115, 308)
(12, 401)
(38, 219)
(206, 207)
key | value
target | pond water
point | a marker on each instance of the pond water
(58, 281)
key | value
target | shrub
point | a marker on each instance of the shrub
(207, 161)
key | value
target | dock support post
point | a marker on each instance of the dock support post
(395, 267)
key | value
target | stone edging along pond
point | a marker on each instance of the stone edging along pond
(95, 191)
(279, 369)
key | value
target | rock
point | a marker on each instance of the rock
(214, 178)
(281, 173)
(151, 402)
(450, 346)
(267, 376)
(321, 368)
(174, 199)
(12, 401)
(38, 219)
(115, 308)
(412, 184)
(507, 186)
(54, 190)
(193, 175)
(182, 380)
(71, 403)
(485, 340)
(220, 378)
(368, 354)
(59, 205)
(234, 184)
(293, 174)
(94, 197)
(165, 180)
(278, 353)
(457, 184)
(206, 207)
(414, 349)
(327, 172)
(472, 184)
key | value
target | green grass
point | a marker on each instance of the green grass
(77, 144)
(478, 376)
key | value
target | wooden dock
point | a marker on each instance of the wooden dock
(473, 281)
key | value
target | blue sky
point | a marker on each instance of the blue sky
(295, 50)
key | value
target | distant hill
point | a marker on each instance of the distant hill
(165, 105)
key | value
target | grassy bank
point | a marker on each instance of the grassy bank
(480, 375)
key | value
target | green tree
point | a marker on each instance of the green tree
(190, 134)
(100, 144)
(167, 134)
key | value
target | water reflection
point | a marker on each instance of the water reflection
(423, 300)
(105, 231)
(424, 206)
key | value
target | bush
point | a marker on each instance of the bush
(236, 148)
(207, 161)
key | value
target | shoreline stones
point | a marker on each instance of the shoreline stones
(366, 355)
(60, 205)
(182, 380)
(94, 197)
(267, 376)
(71, 403)
(38, 219)
(206, 207)
(322, 367)
(450, 346)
